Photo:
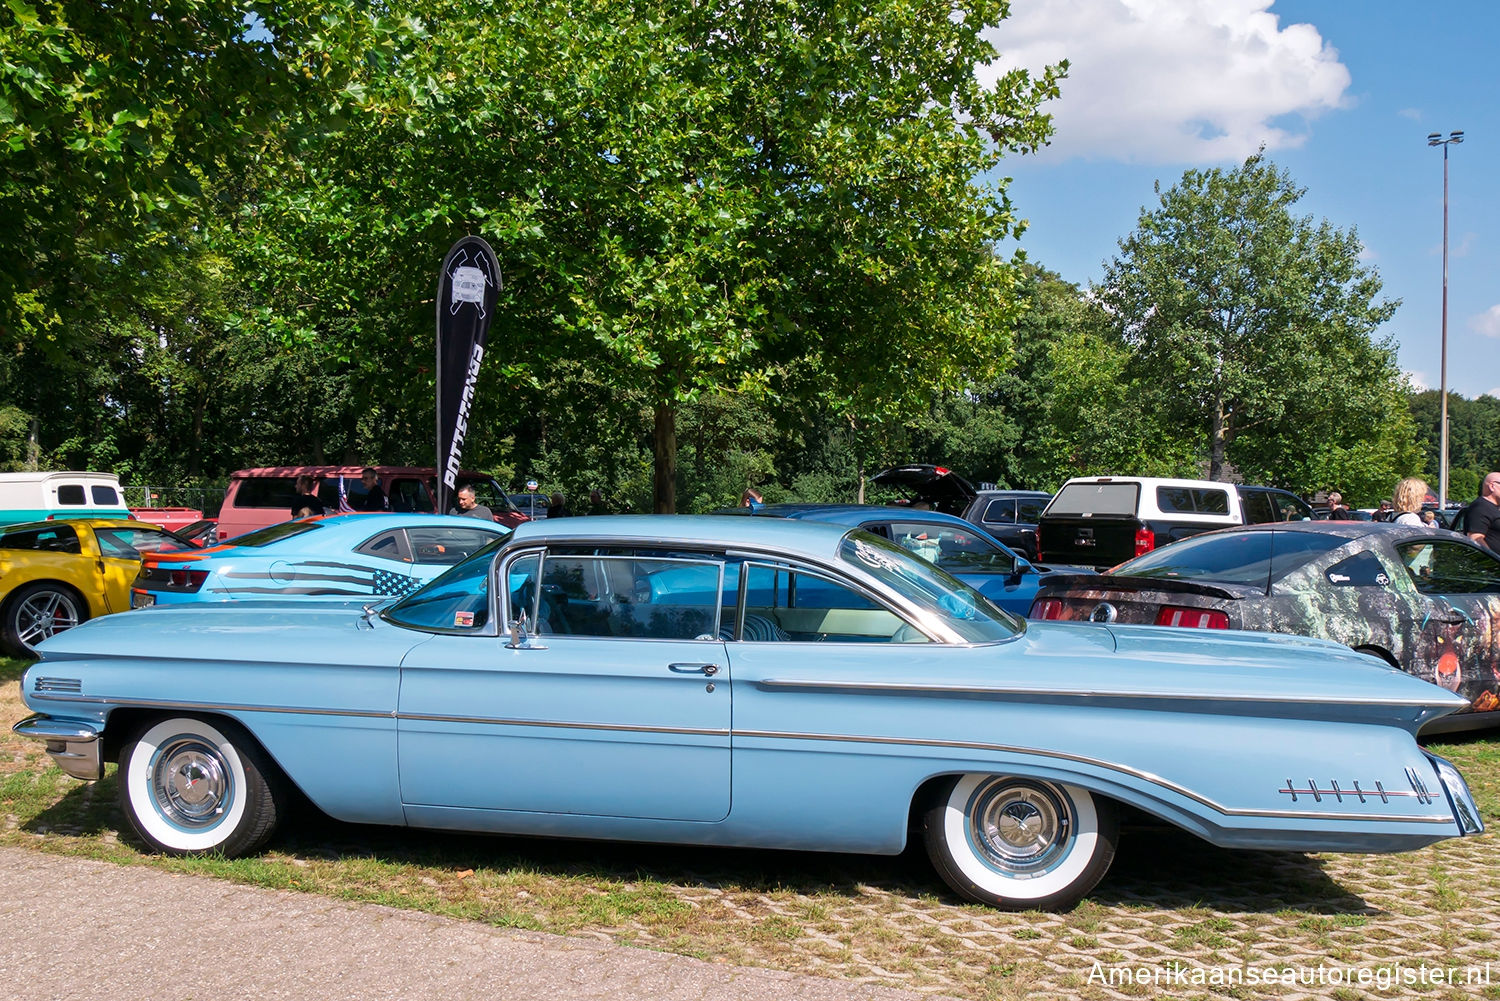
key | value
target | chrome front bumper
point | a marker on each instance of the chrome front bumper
(74, 746)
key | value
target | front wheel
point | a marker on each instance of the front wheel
(38, 611)
(1018, 843)
(189, 787)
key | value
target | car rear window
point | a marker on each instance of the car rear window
(1095, 498)
(1192, 500)
(70, 493)
(275, 533)
(1258, 559)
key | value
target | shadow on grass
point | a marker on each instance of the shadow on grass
(1154, 869)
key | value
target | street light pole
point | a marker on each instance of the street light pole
(1436, 139)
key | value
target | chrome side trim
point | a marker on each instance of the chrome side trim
(1078, 693)
(86, 743)
(213, 706)
(1154, 779)
(73, 747)
(565, 725)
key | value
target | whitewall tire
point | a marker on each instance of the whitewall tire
(190, 787)
(1019, 843)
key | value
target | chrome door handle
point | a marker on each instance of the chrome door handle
(708, 669)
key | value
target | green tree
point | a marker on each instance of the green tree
(774, 197)
(1251, 324)
(113, 115)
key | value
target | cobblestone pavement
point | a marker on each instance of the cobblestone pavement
(1174, 917)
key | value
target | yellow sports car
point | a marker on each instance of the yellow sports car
(56, 574)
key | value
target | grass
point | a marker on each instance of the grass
(1170, 900)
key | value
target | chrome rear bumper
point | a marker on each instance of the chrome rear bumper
(74, 746)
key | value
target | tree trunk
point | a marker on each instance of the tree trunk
(1216, 441)
(664, 440)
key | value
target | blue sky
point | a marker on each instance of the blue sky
(1342, 93)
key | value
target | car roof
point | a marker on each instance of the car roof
(814, 538)
(63, 519)
(1347, 529)
(858, 514)
(997, 493)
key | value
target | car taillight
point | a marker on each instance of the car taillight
(159, 578)
(187, 580)
(1192, 618)
(1046, 608)
(1145, 541)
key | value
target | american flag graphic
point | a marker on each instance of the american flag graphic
(387, 582)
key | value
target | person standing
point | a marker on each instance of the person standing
(306, 502)
(1336, 509)
(558, 508)
(374, 498)
(1407, 501)
(468, 504)
(1482, 523)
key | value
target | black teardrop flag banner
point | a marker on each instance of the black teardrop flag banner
(467, 290)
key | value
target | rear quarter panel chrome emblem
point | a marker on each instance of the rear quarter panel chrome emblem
(1104, 612)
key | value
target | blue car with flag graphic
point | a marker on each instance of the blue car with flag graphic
(335, 557)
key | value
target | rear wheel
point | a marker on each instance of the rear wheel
(1019, 843)
(38, 611)
(190, 787)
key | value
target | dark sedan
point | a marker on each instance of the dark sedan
(1424, 600)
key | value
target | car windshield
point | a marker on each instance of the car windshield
(955, 549)
(275, 533)
(930, 588)
(1259, 559)
(458, 600)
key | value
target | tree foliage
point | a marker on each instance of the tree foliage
(1255, 326)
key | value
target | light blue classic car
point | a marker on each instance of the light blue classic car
(743, 681)
(334, 557)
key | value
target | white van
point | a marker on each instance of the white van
(38, 496)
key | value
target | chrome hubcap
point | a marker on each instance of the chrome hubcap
(1020, 827)
(43, 614)
(190, 782)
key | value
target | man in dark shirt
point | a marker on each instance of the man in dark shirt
(306, 501)
(1483, 520)
(374, 498)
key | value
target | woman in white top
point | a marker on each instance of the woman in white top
(1407, 500)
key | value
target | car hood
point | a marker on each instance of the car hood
(284, 632)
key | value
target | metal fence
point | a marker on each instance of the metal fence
(207, 499)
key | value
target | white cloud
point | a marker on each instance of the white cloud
(1487, 323)
(1172, 81)
(1420, 381)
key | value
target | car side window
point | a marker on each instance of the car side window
(53, 538)
(387, 546)
(1441, 567)
(409, 495)
(786, 605)
(443, 546)
(1258, 508)
(1002, 511)
(1028, 512)
(629, 597)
